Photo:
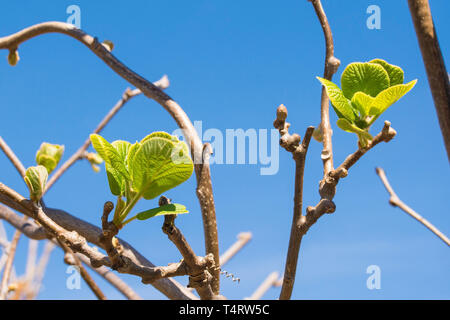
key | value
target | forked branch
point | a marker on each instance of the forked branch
(395, 201)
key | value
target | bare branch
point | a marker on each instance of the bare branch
(114, 280)
(9, 263)
(59, 224)
(12, 157)
(162, 83)
(206, 198)
(198, 268)
(434, 64)
(243, 239)
(269, 282)
(331, 66)
(151, 91)
(71, 259)
(292, 144)
(29, 228)
(395, 201)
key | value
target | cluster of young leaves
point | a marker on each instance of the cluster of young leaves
(367, 90)
(145, 169)
(47, 158)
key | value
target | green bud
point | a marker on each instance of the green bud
(49, 155)
(36, 179)
(317, 134)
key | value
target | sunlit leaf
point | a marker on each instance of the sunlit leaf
(370, 78)
(395, 73)
(362, 102)
(173, 208)
(341, 104)
(389, 96)
(36, 179)
(159, 164)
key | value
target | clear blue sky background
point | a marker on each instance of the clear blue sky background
(231, 63)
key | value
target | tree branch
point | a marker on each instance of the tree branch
(8, 266)
(12, 157)
(292, 144)
(71, 259)
(269, 282)
(434, 64)
(76, 232)
(395, 201)
(198, 268)
(162, 84)
(243, 239)
(331, 66)
(12, 42)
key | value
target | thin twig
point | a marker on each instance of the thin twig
(12, 157)
(9, 263)
(434, 64)
(13, 245)
(199, 268)
(331, 66)
(242, 239)
(269, 282)
(162, 83)
(395, 201)
(114, 280)
(71, 259)
(299, 149)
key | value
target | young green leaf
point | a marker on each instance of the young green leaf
(339, 101)
(395, 73)
(110, 154)
(49, 155)
(363, 135)
(370, 78)
(389, 96)
(158, 165)
(160, 134)
(36, 179)
(362, 102)
(173, 208)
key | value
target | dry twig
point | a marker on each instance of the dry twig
(395, 201)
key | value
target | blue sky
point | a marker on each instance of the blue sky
(231, 63)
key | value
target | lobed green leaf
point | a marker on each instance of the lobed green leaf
(396, 75)
(340, 103)
(370, 78)
(159, 164)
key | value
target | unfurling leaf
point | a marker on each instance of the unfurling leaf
(341, 104)
(395, 73)
(36, 179)
(49, 155)
(173, 208)
(388, 97)
(159, 163)
(370, 78)
(368, 89)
